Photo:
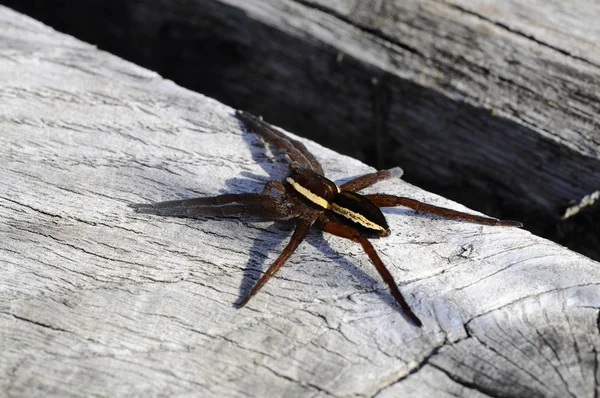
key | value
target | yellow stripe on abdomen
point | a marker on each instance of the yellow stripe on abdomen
(356, 217)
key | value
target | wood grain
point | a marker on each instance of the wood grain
(494, 105)
(96, 300)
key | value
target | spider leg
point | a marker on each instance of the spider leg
(344, 231)
(367, 180)
(299, 234)
(383, 200)
(228, 205)
(273, 184)
(295, 149)
(206, 201)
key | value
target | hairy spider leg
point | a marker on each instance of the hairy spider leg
(273, 184)
(296, 150)
(365, 181)
(206, 201)
(300, 233)
(345, 231)
(384, 200)
(228, 205)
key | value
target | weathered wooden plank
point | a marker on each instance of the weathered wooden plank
(505, 113)
(493, 105)
(98, 300)
(570, 28)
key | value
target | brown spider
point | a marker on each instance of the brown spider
(310, 198)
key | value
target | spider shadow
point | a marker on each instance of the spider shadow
(375, 284)
(264, 241)
(275, 164)
(276, 167)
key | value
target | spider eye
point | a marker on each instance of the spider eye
(361, 212)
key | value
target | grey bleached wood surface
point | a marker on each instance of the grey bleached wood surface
(493, 104)
(96, 300)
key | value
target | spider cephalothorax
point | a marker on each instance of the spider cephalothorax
(307, 196)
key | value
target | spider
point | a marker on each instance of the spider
(308, 197)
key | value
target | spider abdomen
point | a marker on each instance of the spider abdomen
(361, 212)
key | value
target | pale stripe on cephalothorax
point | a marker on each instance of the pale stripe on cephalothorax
(356, 217)
(316, 199)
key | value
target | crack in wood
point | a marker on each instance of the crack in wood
(366, 29)
(37, 323)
